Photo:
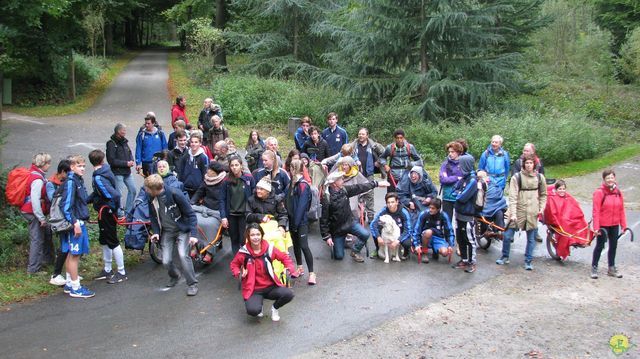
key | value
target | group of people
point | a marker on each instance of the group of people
(200, 165)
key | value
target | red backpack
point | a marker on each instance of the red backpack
(16, 189)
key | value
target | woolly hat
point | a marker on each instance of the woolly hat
(467, 164)
(417, 169)
(265, 184)
(304, 155)
(334, 176)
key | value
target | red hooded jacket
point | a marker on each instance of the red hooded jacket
(608, 208)
(36, 174)
(177, 111)
(260, 272)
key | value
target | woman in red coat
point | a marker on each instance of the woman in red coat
(254, 263)
(608, 216)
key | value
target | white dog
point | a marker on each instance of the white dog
(390, 232)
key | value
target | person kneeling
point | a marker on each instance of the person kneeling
(433, 230)
(254, 265)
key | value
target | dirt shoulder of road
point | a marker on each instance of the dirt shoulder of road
(556, 311)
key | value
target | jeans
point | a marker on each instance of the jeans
(181, 240)
(612, 233)
(41, 245)
(338, 241)
(281, 295)
(531, 243)
(121, 183)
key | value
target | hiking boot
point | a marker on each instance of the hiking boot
(613, 272)
(103, 275)
(425, 258)
(528, 266)
(82, 292)
(117, 278)
(275, 316)
(192, 290)
(374, 254)
(471, 267)
(173, 281)
(502, 261)
(58, 280)
(538, 238)
(594, 272)
(460, 265)
(357, 257)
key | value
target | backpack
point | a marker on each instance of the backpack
(315, 208)
(406, 144)
(57, 220)
(519, 179)
(481, 197)
(16, 189)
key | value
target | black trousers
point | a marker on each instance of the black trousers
(281, 295)
(301, 245)
(237, 225)
(612, 233)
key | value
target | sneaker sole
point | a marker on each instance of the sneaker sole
(81, 296)
(116, 281)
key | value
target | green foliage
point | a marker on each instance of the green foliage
(13, 230)
(630, 57)
(202, 38)
(572, 44)
(618, 16)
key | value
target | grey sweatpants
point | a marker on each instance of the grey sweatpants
(41, 245)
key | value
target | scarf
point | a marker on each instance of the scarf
(211, 181)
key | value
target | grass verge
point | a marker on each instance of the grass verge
(84, 101)
(580, 168)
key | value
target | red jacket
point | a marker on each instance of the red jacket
(177, 111)
(36, 174)
(260, 272)
(608, 208)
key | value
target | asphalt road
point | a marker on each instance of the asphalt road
(141, 318)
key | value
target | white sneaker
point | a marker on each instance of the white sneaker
(58, 280)
(275, 316)
(261, 314)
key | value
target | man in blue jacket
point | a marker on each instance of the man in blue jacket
(335, 135)
(416, 190)
(174, 222)
(302, 134)
(149, 141)
(106, 201)
(433, 229)
(402, 218)
(495, 161)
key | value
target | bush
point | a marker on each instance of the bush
(630, 57)
(14, 235)
(88, 69)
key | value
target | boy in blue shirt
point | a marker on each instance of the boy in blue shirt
(433, 229)
(75, 242)
(106, 201)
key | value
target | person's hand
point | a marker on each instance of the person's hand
(193, 240)
(138, 168)
(131, 163)
(514, 218)
(412, 206)
(43, 223)
(266, 219)
(283, 232)
(330, 242)
(244, 272)
(325, 168)
(417, 249)
(154, 238)
(77, 230)
(426, 201)
(387, 168)
(449, 251)
(225, 223)
(383, 183)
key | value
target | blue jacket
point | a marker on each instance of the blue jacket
(248, 184)
(440, 224)
(494, 200)
(335, 139)
(465, 191)
(74, 199)
(105, 190)
(280, 183)
(424, 188)
(402, 218)
(300, 138)
(298, 202)
(496, 165)
(192, 170)
(179, 209)
(149, 143)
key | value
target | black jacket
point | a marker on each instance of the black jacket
(118, 154)
(316, 152)
(273, 205)
(210, 194)
(336, 213)
(174, 158)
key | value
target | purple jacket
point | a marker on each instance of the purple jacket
(453, 172)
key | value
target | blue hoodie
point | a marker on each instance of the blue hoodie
(402, 218)
(148, 143)
(496, 164)
(74, 199)
(300, 138)
(105, 190)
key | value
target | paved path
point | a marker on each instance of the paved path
(140, 318)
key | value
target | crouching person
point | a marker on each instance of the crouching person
(174, 223)
(253, 264)
(337, 221)
(433, 230)
(401, 217)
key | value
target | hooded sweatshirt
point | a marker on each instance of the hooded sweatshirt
(148, 143)
(193, 167)
(105, 191)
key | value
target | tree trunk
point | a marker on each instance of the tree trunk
(424, 59)
(72, 79)
(108, 38)
(220, 59)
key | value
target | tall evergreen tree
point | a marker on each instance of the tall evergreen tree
(446, 55)
(618, 16)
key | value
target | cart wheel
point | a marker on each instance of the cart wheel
(483, 242)
(155, 251)
(551, 245)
